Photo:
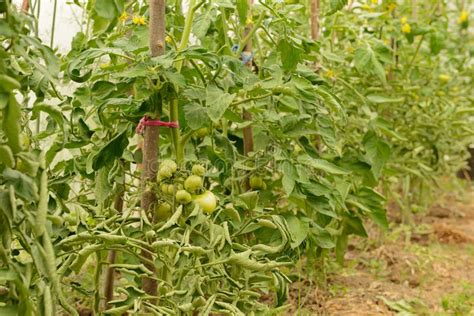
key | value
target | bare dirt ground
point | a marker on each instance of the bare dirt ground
(428, 270)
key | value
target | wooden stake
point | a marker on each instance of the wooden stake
(151, 137)
(314, 19)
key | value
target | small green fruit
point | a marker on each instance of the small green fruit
(198, 170)
(165, 172)
(207, 201)
(163, 211)
(170, 164)
(183, 197)
(256, 183)
(193, 183)
(202, 132)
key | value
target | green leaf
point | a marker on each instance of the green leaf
(321, 164)
(354, 225)
(336, 5)
(24, 186)
(290, 55)
(377, 152)
(11, 123)
(106, 9)
(289, 178)
(322, 237)
(436, 42)
(250, 199)
(110, 151)
(6, 156)
(7, 84)
(298, 230)
(55, 114)
(102, 185)
(217, 101)
(366, 61)
(242, 9)
(380, 99)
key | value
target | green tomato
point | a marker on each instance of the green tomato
(165, 172)
(256, 183)
(183, 197)
(202, 132)
(170, 164)
(150, 234)
(444, 78)
(207, 201)
(167, 188)
(163, 211)
(193, 183)
(198, 170)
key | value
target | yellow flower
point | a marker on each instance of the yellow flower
(330, 73)
(404, 20)
(463, 17)
(123, 17)
(168, 39)
(406, 28)
(249, 20)
(392, 6)
(138, 20)
(375, 1)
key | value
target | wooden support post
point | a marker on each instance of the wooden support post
(157, 24)
(315, 19)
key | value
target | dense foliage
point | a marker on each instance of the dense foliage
(378, 107)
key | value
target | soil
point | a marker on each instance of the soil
(424, 270)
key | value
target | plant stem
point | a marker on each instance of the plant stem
(258, 97)
(246, 45)
(53, 26)
(174, 105)
(109, 275)
(151, 138)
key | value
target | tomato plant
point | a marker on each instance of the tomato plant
(190, 155)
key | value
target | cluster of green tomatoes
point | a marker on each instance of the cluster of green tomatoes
(182, 187)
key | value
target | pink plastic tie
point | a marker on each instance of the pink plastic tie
(145, 121)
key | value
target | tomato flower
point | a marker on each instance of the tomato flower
(138, 20)
(406, 28)
(463, 17)
(123, 17)
(391, 6)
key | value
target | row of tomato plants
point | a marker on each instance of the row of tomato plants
(281, 145)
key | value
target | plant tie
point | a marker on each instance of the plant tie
(146, 121)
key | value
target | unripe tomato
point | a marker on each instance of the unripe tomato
(207, 201)
(198, 170)
(163, 211)
(193, 183)
(165, 172)
(183, 197)
(202, 132)
(444, 78)
(150, 234)
(256, 183)
(170, 164)
(167, 188)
